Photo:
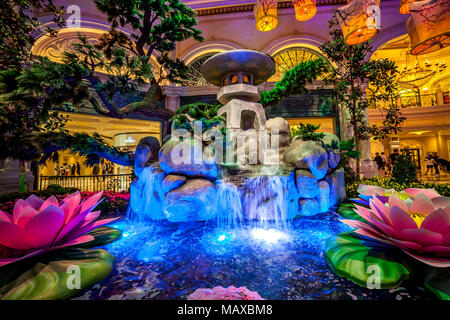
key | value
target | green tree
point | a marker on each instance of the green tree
(353, 73)
(20, 28)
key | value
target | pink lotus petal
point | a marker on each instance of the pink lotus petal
(69, 205)
(439, 250)
(5, 261)
(395, 201)
(78, 232)
(83, 239)
(446, 239)
(91, 202)
(76, 222)
(50, 201)
(367, 214)
(430, 193)
(18, 207)
(434, 262)
(381, 209)
(11, 236)
(25, 215)
(422, 204)
(51, 220)
(438, 221)
(422, 236)
(93, 215)
(407, 244)
(5, 216)
(401, 220)
(362, 225)
(388, 230)
(34, 201)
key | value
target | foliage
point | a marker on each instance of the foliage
(351, 190)
(307, 132)
(352, 74)
(206, 113)
(404, 169)
(20, 28)
(294, 81)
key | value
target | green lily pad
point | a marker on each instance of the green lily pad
(365, 262)
(437, 280)
(346, 210)
(103, 236)
(53, 275)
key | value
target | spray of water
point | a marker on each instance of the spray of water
(229, 207)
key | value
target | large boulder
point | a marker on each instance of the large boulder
(308, 155)
(308, 207)
(188, 158)
(172, 181)
(307, 184)
(336, 183)
(333, 153)
(324, 196)
(195, 200)
(280, 127)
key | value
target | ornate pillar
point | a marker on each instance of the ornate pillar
(172, 95)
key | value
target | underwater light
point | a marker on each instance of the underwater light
(221, 237)
(269, 235)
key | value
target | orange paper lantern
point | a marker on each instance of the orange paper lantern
(304, 9)
(404, 6)
(429, 26)
(359, 20)
(266, 15)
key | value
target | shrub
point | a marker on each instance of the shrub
(404, 170)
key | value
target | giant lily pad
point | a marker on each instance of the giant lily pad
(52, 276)
(346, 210)
(437, 280)
(360, 259)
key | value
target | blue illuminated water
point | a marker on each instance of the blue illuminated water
(166, 260)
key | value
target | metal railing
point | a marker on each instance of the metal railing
(409, 101)
(112, 182)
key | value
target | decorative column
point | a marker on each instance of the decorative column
(172, 95)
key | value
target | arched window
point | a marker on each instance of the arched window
(195, 76)
(288, 58)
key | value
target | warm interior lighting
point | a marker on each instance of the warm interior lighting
(266, 15)
(304, 9)
(404, 6)
(357, 26)
(429, 26)
(419, 132)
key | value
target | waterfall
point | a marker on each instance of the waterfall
(264, 201)
(146, 196)
(229, 207)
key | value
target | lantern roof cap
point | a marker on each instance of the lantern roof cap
(260, 65)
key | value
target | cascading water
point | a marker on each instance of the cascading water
(146, 196)
(229, 207)
(264, 201)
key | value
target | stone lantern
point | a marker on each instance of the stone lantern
(238, 72)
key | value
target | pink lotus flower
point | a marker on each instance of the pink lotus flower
(220, 293)
(366, 192)
(37, 226)
(419, 226)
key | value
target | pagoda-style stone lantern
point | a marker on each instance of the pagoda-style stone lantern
(239, 72)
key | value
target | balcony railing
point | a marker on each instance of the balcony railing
(409, 101)
(112, 182)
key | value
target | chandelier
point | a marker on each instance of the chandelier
(418, 75)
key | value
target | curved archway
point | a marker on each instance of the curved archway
(307, 41)
(206, 48)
